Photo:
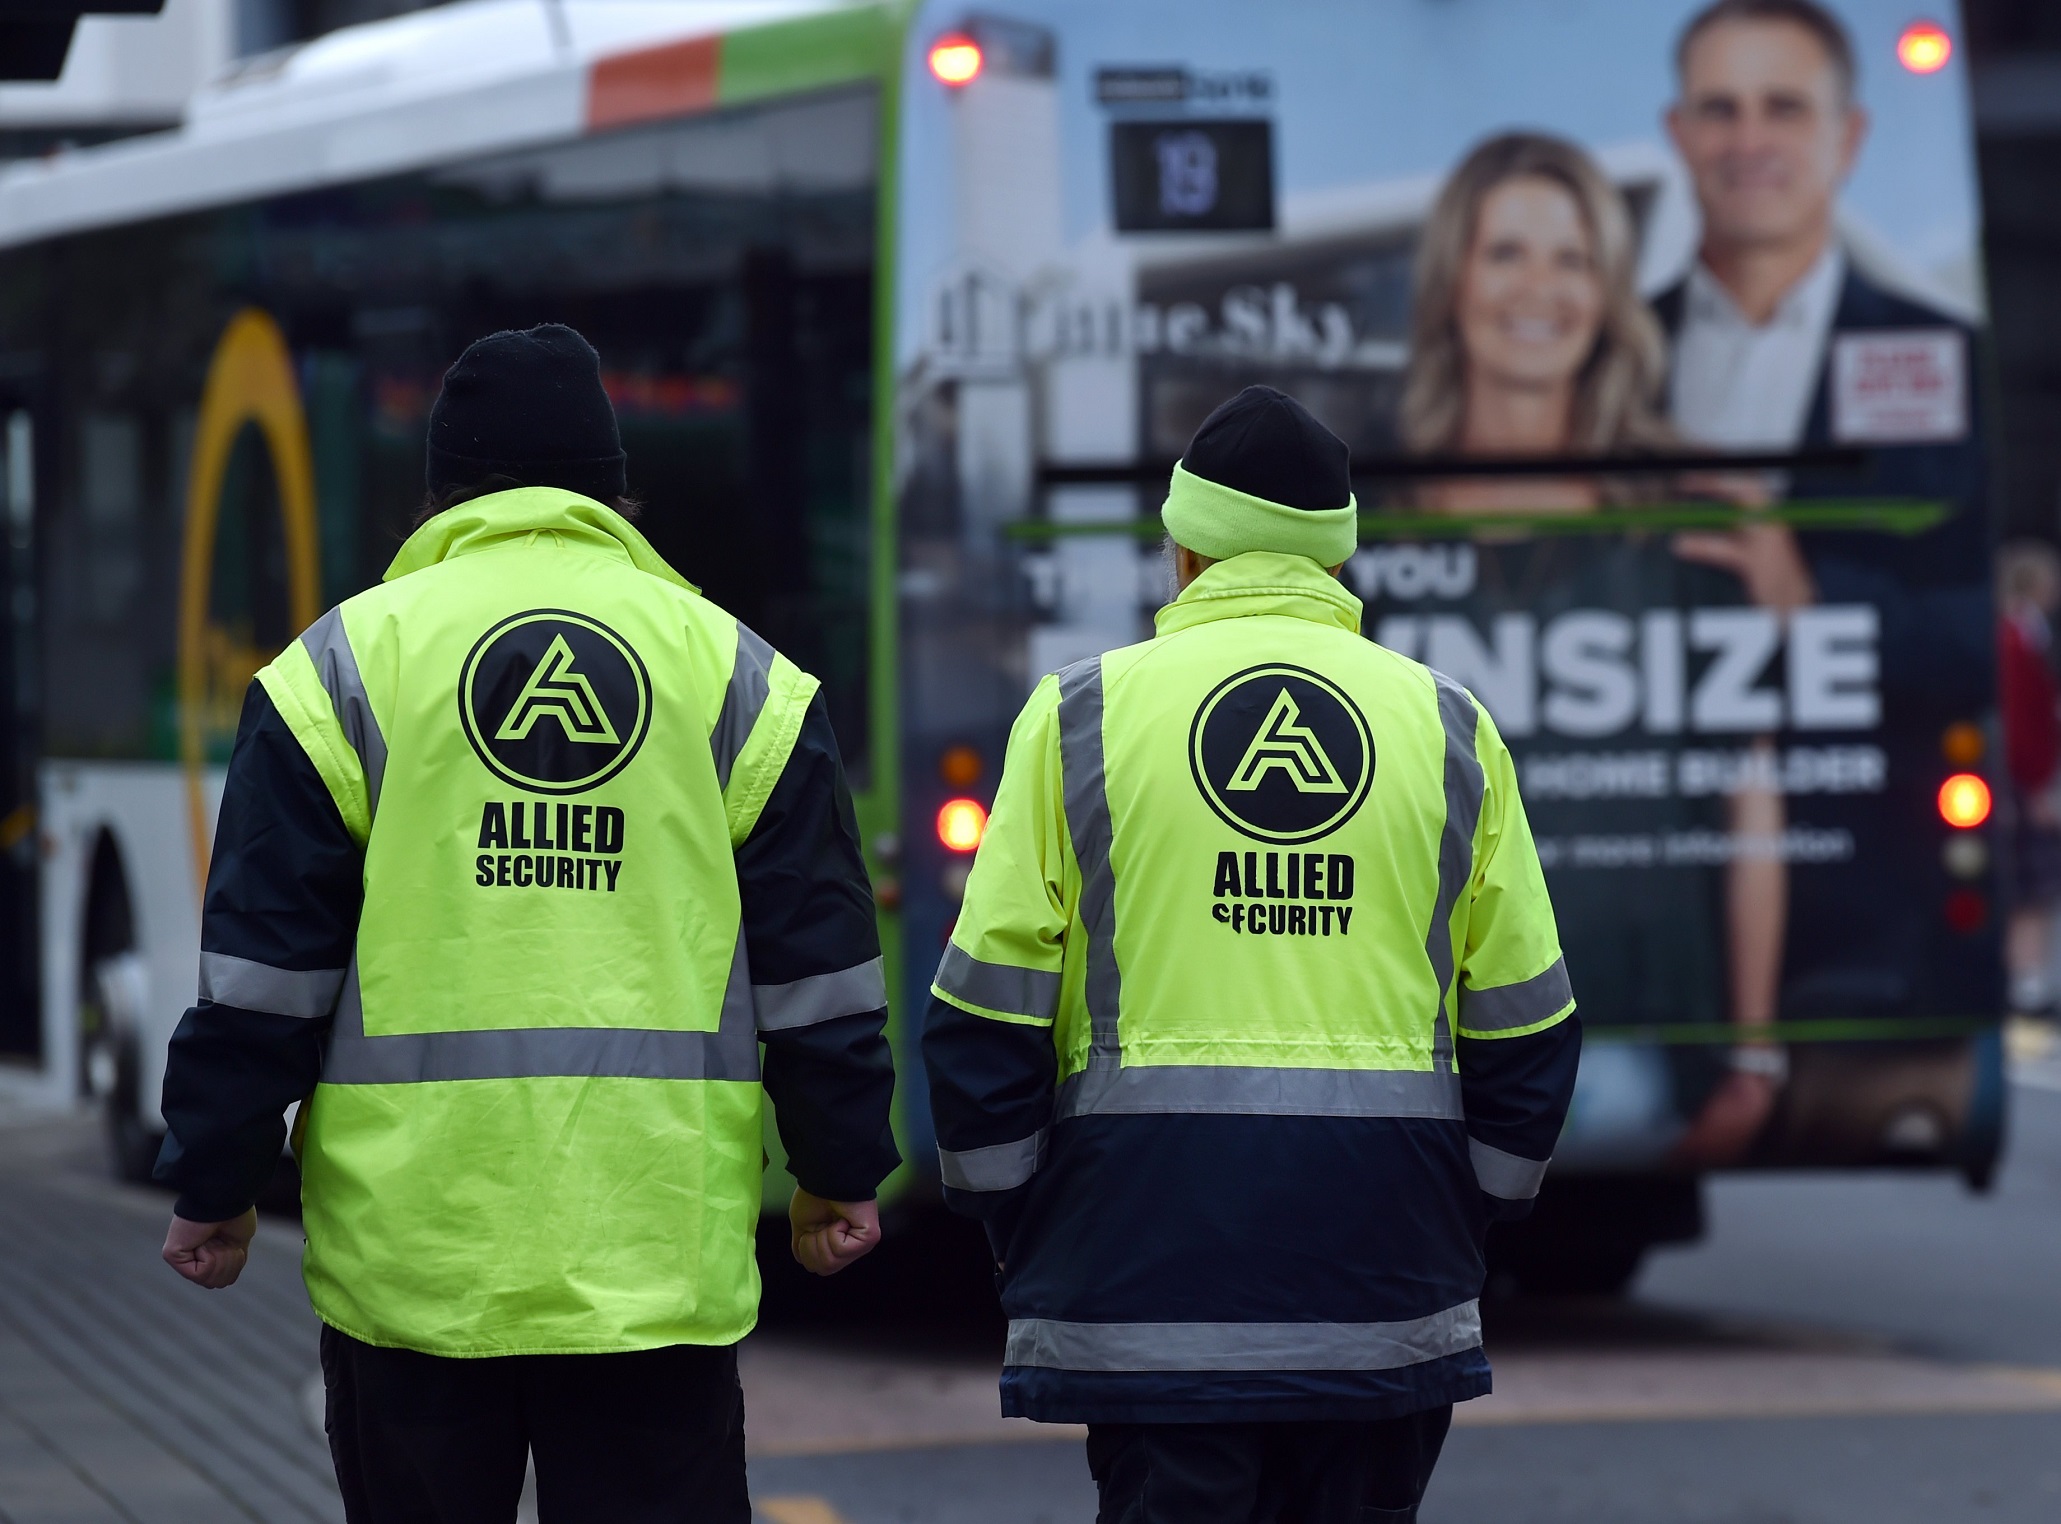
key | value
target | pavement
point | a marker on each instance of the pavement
(1842, 1349)
(126, 1394)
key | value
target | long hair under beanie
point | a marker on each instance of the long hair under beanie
(1263, 474)
(526, 407)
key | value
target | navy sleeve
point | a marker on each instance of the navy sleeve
(278, 924)
(1516, 1092)
(814, 949)
(992, 1085)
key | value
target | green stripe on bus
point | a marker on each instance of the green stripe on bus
(810, 53)
(1829, 1029)
(1898, 516)
(877, 797)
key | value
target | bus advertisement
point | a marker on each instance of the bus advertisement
(1655, 329)
(1727, 600)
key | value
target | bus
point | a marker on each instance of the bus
(907, 307)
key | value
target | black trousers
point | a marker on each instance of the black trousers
(1266, 1473)
(653, 1437)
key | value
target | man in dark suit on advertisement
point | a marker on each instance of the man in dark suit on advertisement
(1780, 342)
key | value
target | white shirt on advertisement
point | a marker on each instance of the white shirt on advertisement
(1739, 385)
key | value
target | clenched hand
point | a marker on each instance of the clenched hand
(211, 1254)
(828, 1235)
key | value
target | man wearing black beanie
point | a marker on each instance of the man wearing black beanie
(526, 408)
(1252, 1020)
(523, 857)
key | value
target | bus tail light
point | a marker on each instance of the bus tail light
(1964, 801)
(955, 59)
(1963, 744)
(960, 767)
(1924, 47)
(1965, 855)
(961, 823)
(1966, 911)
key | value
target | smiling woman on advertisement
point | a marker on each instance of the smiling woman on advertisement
(1528, 336)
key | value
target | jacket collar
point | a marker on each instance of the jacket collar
(1262, 582)
(549, 513)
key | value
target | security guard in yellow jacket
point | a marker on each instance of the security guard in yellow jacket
(522, 856)
(1253, 1020)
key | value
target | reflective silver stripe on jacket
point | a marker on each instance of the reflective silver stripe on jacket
(1236, 1090)
(1056, 1345)
(1081, 762)
(227, 980)
(1463, 782)
(731, 1052)
(1003, 987)
(998, 1167)
(1512, 1177)
(751, 680)
(821, 997)
(1510, 1006)
(329, 647)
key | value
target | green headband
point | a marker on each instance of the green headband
(1221, 522)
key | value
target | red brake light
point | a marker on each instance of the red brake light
(1964, 801)
(1924, 47)
(1966, 911)
(955, 59)
(961, 823)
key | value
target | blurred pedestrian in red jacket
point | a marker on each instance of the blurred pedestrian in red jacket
(2029, 593)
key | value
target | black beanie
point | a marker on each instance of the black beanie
(527, 405)
(1267, 445)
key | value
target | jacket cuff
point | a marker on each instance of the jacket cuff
(845, 1181)
(201, 1207)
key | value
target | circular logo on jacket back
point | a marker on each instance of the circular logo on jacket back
(1281, 753)
(554, 701)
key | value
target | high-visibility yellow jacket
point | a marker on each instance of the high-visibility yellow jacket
(537, 1124)
(1254, 1011)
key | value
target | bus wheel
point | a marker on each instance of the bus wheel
(1588, 1234)
(1606, 1271)
(131, 1146)
(111, 1068)
(114, 996)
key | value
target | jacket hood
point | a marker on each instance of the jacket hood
(530, 511)
(1262, 582)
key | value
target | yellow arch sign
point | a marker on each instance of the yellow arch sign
(250, 380)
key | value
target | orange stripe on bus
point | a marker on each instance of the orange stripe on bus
(675, 80)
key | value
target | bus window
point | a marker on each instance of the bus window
(230, 402)
(722, 267)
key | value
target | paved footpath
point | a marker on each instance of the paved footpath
(127, 1394)
(1843, 1350)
